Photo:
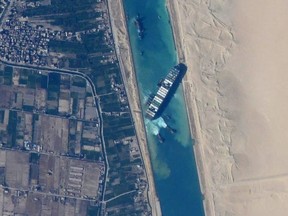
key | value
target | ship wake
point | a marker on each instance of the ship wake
(154, 126)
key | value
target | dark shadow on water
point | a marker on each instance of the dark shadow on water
(183, 70)
(139, 24)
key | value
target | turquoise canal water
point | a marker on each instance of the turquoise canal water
(173, 161)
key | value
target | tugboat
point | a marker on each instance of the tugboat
(139, 25)
(160, 82)
(171, 130)
(160, 138)
(167, 117)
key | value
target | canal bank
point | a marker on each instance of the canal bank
(191, 109)
(173, 161)
(123, 50)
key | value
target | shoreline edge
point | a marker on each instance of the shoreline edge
(192, 111)
(125, 57)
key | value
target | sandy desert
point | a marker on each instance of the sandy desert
(236, 92)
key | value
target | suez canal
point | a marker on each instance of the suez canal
(173, 161)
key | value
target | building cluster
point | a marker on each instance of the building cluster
(3, 4)
(119, 89)
(28, 43)
(21, 43)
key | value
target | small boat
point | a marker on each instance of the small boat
(160, 82)
(167, 117)
(139, 25)
(160, 138)
(171, 130)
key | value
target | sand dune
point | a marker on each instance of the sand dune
(236, 53)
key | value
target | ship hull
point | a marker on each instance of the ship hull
(165, 91)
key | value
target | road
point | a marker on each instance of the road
(96, 101)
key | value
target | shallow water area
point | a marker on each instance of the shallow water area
(173, 161)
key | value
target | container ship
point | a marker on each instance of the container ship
(156, 101)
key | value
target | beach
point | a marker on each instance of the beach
(235, 90)
(122, 45)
